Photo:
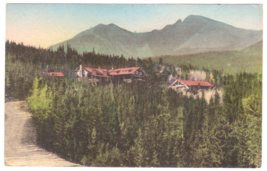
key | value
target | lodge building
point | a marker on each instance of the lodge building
(94, 75)
(120, 74)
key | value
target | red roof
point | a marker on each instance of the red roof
(98, 72)
(104, 72)
(89, 69)
(196, 83)
(57, 74)
(123, 71)
(97, 69)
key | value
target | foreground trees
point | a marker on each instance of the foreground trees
(124, 125)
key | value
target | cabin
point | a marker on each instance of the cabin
(56, 74)
(120, 74)
(191, 84)
(52, 73)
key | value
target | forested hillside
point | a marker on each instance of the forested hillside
(137, 124)
(232, 62)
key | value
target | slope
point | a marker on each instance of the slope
(248, 60)
(193, 35)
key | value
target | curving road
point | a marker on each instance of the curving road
(20, 146)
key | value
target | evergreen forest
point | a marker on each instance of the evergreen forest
(138, 124)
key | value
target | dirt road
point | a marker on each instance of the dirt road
(20, 146)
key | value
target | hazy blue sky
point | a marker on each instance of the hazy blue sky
(48, 24)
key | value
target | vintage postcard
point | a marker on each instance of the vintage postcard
(112, 85)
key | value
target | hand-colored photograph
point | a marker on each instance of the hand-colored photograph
(112, 85)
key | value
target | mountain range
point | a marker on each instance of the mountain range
(194, 34)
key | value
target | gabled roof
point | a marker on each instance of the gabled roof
(196, 83)
(56, 74)
(104, 72)
(89, 69)
(98, 71)
(123, 71)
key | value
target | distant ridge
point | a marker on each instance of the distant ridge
(193, 35)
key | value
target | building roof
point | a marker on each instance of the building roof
(196, 83)
(123, 71)
(89, 69)
(56, 74)
(99, 72)
(105, 73)
(96, 69)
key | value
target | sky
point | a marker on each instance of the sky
(48, 24)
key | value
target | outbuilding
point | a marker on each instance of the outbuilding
(191, 84)
(56, 74)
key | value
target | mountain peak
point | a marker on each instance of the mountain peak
(105, 25)
(194, 18)
(99, 25)
(194, 34)
(112, 25)
(178, 21)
